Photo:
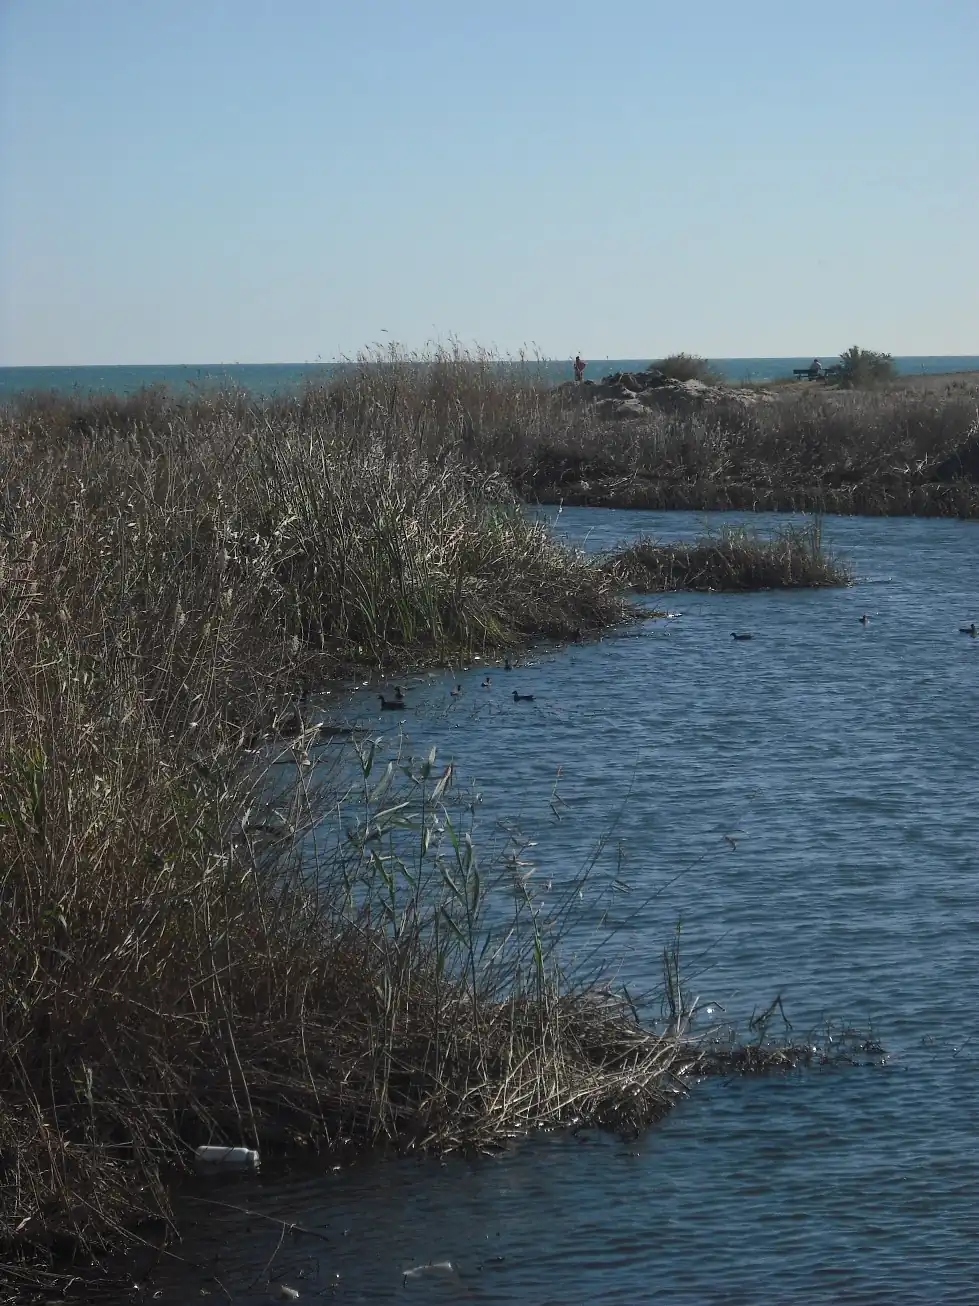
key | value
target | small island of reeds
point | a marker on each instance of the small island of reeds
(735, 559)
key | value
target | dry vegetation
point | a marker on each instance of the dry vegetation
(733, 559)
(172, 574)
(891, 450)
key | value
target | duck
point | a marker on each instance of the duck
(972, 630)
(456, 692)
(522, 698)
(735, 635)
(392, 704)
(865, 620)
(487, 683)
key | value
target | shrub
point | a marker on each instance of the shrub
(862, 368)
(688, 367)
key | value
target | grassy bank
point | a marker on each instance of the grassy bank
(734, 560)
(173, 574)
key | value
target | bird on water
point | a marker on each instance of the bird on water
(972, 630)
(735, 635)
(522, 698)
(392, 704)
(865, 620)
(456, 692)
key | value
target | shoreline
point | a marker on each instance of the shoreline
(639, 493)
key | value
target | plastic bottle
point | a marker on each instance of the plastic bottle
(226, 1158)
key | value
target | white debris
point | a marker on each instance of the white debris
(432, 1268)
(226, 1158)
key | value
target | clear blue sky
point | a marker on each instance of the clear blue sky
(276, 180)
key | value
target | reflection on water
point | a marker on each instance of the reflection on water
(804, 802)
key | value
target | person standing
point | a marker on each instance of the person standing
(579, 368)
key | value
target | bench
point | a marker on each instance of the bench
(818, 374)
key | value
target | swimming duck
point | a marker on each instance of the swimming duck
(456, 692)
(487, 683)
(392, 704)
(972, 630)
(865, 620)
(735, 635)
(522, 698)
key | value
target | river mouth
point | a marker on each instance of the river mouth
(803, 802)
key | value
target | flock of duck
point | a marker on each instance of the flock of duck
(398, 703)
(972, 630)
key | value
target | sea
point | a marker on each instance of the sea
(289, 378)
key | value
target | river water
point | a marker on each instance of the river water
(806, 803)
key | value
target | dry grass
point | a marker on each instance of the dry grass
(880, 452)
(183, 961)
(173, 971)
(810, 448)
(734, 559)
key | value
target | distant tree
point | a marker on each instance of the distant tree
(860, 369)
(688, 367)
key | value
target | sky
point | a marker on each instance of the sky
(202, 181)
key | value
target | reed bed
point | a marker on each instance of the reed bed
(735, 559)
(187, 956)
(904, 447)
(883, 452)
(174, 971)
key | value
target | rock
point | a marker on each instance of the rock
(629, 408)
(653, 377)
(613, 390)
(623, 395)
(631, 381)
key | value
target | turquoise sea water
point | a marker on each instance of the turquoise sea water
(841, 761)
(279, 378)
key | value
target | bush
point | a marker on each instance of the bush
(688, 367)
(862, 368)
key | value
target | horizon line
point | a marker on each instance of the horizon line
(346, 361)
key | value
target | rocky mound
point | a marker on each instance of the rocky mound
(624, 395)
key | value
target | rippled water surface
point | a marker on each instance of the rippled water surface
(840, 762)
